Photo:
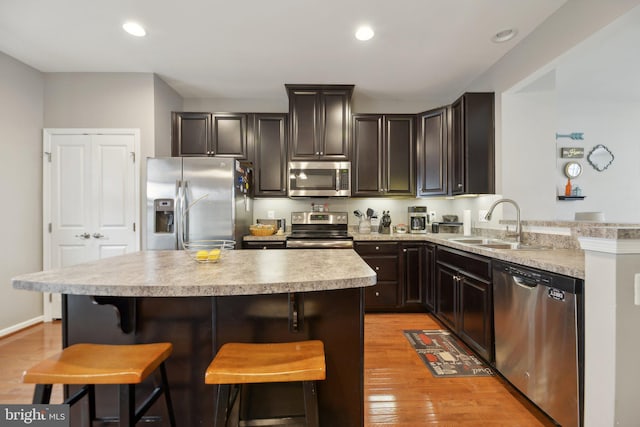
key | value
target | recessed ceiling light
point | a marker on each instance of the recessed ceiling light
(504, 35)
(364, 33)
(134, 29)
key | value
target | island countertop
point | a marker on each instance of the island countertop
(176, 273)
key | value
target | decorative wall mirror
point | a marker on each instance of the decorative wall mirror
(600, 157)
(572, 170)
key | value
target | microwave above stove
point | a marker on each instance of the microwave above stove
(319, 179)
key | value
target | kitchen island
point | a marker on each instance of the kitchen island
(248, 296)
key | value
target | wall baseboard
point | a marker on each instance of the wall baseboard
(21, 325)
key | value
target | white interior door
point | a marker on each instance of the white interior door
(91, 202)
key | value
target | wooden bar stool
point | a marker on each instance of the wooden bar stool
(238, 363)
(91, 364)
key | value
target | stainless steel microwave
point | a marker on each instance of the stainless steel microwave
(319, 179)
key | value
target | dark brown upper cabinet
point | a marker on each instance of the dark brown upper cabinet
(190, 134)
(383, 155)
(206, 134)
(320, 116)
(269, 135)
(471, 155)
(432, 152)
(229, 135)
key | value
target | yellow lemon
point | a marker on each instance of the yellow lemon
(214, 254)
(202, 255)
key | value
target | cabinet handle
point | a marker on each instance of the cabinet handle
(404, 250)
(317, 153)
(377, 248)
(377, 294)
(322, 153)
(377, 268)
(459, 185)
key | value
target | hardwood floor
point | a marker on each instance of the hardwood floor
(21, 350)
(399, 388)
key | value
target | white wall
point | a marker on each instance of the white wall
(529, 110)
(165, 100)
(21, 118)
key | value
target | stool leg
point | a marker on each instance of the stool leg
(222, 405)
(91, 392)
(310, 403)
(167, 395)
(127, 405)
(42, 393)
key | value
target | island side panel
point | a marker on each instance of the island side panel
(335, 317)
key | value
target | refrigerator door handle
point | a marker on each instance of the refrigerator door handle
(180, 213)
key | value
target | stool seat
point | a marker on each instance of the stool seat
(241, 363)
(99, 364)
(237, 364)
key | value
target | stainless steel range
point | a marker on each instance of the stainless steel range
(328, 230)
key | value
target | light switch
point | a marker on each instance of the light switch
(271, 214)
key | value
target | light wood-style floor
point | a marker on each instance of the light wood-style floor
(399, 388)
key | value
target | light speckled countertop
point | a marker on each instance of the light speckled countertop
(175, 273)
(569, 262)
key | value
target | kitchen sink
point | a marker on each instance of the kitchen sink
(489, 243)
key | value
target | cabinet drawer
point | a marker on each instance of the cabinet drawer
(386, 248)
(476, 265)
(382, 295)
(255, 244)
(386, 268)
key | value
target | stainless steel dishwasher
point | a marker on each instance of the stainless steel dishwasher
(538, 322)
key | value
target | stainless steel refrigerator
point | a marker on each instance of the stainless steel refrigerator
(197, 198)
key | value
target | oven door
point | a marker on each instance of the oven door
(319, 179)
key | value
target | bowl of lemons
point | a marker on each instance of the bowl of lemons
(208, 251)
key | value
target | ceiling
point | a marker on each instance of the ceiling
(422, 49)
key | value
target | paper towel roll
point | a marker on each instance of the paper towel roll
(466, 222)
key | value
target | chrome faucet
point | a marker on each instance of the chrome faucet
(518, 232)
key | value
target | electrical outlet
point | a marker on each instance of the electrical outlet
(481, 215)
(432, 216)
(271, 214)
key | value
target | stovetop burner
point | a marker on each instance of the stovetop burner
(319, 230)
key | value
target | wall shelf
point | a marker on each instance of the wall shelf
(571, 197)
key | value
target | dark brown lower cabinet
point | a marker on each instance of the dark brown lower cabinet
(382, 257)
(464, 298)
(405, 275)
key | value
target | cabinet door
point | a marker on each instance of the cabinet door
(447, 291)
(190, 134)
(230, 135)
(413, 275)
(336, 118)
(367, 155)
(304, 116)
(432, 152)
(429, 277)
(456, 161)
(475, 315)
(270, 158)
(399, 155)
(472, 144)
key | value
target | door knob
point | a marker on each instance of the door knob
(98, 235)
(83, 235)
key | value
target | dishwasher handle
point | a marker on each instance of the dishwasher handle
(524, 283)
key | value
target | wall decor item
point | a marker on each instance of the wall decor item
(573, 135)
(600, 157)
(572, 152)
(572, 170)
